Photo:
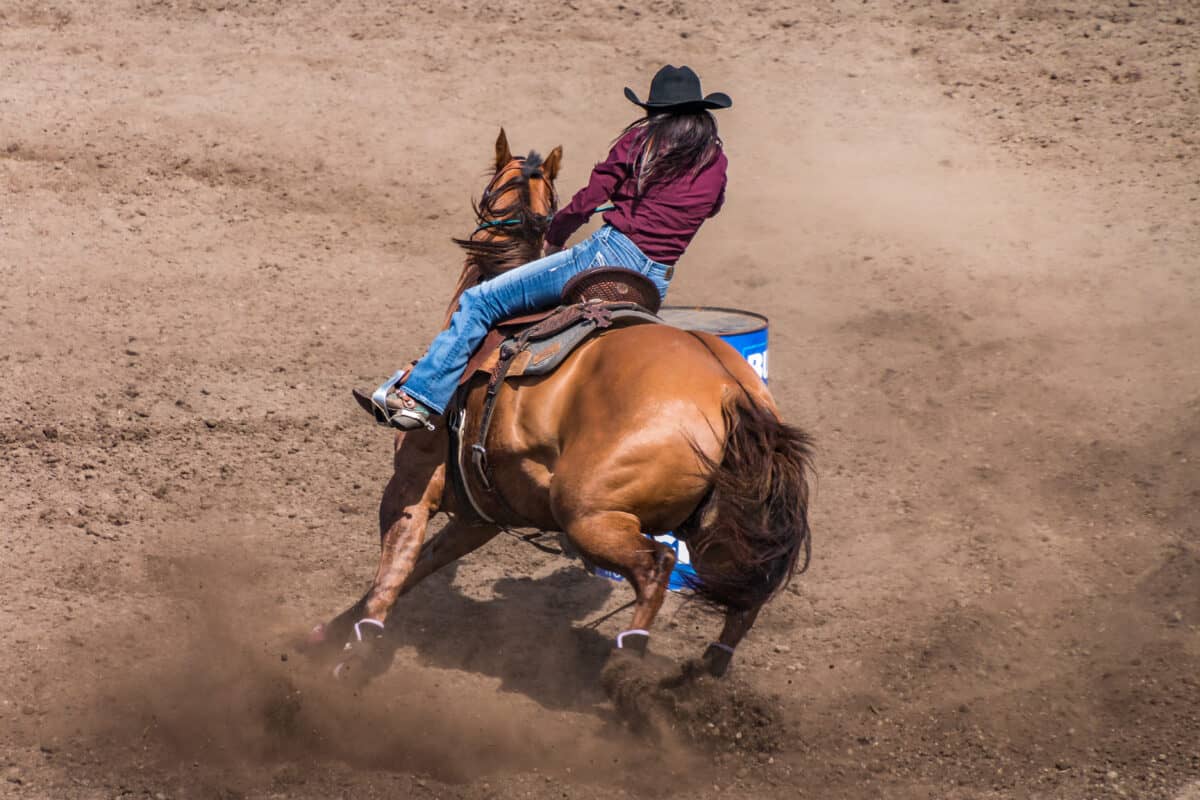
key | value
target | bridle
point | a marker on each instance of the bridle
(539, 222)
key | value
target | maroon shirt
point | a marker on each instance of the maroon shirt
(661, 221)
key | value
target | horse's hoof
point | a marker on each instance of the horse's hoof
(716, 660)
(361, 660)
(355, 671)
(351, 672)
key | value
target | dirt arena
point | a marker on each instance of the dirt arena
(975, 227)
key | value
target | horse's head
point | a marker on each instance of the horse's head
(513, 212)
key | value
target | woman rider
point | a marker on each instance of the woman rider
(664, 176)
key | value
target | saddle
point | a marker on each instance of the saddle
(536, 344)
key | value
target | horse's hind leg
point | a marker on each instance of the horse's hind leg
(719, 655)
(614, 540)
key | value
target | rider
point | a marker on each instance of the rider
(663, 177)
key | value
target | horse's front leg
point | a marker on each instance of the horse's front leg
(454, 541)
(363, 652)
(411, 497)
(402, 537)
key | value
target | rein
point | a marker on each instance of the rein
(540, 220)
(546, 218)
(497, 223)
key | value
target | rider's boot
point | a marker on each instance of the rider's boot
(399, 411)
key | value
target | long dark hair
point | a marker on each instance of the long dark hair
(673, 144)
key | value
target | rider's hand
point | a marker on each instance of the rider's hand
(550, 249)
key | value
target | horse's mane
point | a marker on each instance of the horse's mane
(522, 240)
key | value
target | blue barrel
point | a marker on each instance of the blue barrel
(746, 332)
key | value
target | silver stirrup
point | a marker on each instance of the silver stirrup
(384, 415)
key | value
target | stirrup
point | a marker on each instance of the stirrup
(377, 405)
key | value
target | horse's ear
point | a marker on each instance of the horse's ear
(503, 154)
(552, 163)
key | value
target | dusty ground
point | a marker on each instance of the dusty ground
(974, 227)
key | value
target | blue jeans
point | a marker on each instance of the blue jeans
(527, 288)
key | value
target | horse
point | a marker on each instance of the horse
(643, 429)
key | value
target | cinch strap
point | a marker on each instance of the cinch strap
(635, 632)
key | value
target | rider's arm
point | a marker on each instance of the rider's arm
(606, 176)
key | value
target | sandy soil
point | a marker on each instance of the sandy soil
(974, 227)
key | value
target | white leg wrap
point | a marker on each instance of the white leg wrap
(361, 622)
(635, 632)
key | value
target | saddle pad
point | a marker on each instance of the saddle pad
(546, 338)
(505, 329)
(543, 356)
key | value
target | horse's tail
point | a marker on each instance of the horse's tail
(747, 537)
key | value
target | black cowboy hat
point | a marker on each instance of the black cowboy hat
(678, 89)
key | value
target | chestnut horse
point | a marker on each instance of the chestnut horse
(642, 430)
